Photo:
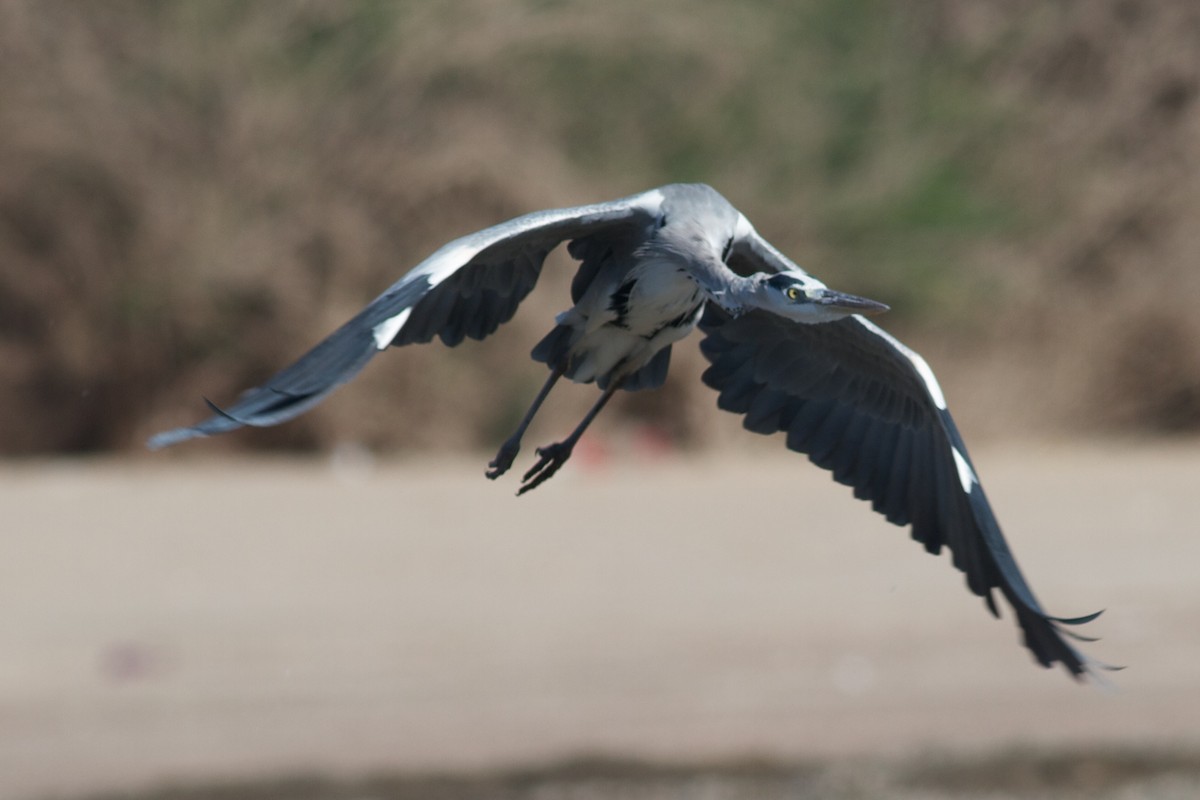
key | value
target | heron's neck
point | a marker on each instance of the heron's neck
(742, 294)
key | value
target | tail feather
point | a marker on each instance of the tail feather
(555, 347)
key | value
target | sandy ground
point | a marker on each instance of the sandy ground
(172, 619)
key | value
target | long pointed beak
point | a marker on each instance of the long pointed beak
(850, 303)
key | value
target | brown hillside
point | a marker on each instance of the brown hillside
(192, 194)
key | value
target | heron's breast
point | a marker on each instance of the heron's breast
(655, 294)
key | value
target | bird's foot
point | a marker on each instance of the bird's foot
(504, 459)
(550, 458)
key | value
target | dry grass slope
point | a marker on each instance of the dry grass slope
(192, 194)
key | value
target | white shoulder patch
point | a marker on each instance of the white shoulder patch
(743, 229)
(650, 201)
(922, 367)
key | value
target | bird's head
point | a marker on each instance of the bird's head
(801, 297)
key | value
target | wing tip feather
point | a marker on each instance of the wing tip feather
(174, 436)
(1081, 620)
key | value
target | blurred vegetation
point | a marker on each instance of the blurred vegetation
(193, 193)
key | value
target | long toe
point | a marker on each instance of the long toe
(550, 458)
(503, 460)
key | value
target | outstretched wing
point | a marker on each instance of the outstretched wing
(469, 287)
(862, 405)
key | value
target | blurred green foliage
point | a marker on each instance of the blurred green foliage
(192, 192)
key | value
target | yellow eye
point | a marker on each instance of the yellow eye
(792, 293)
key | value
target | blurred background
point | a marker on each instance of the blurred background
(194, 193)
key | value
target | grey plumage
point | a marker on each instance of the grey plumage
(786, 352)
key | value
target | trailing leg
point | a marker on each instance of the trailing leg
(512, 445)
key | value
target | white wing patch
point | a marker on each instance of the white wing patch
(922, 367)
(447, 261)
(385, 332)
(966, 475)
(437, 268)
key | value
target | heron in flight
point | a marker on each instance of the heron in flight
(786, 351)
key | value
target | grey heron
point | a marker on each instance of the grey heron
(787, 352)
